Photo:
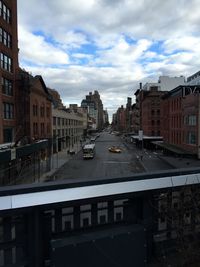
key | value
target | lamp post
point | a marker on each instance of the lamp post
(55, 141)
(141, 138)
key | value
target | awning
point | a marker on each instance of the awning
(174, 149)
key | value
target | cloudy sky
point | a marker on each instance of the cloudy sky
(111, 46)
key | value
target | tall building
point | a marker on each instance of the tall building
(92, 113)
(119, 120)
(105, 118)
(96, 98)
(95, 108)
(128, 114)
(8, 69)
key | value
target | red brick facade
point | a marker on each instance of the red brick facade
(34, 108)
(180, 113)
(40, 110)
(150, 112)
(8, 67)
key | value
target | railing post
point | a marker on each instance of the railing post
(35, 240)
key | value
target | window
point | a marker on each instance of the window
(42, 111)
(35, 110)
(191, 138)
(8, 110)
(54, 121)
(5, 38)
(42, 129)
(48, 112)
(5, 12)
(7, 135)
(48, 128)
(6, 62)
(7, 86)
(35, 128)
(192, 120)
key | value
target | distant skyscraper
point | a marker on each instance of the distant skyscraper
(95, 106)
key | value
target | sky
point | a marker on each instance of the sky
(79, 46)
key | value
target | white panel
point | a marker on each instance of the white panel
(77, 193)
(5, 202)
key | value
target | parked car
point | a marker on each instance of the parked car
(92, 140)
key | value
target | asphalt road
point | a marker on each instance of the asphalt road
(106, 164)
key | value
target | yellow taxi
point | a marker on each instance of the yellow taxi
(115, 149)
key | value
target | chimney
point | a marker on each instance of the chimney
(140, 86)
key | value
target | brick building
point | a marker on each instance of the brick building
(120, 119)
(8, 68)
(146, 112)
(150, 112)
(34, 111)
(180, 113)
(136, 113)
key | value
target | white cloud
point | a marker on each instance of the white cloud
(189, 43)
(36, 50)
(70, 39)
(108, 45)
(123, 53)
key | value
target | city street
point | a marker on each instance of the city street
(110, 165)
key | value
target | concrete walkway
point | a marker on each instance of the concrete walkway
(57, 161)
(178, 162)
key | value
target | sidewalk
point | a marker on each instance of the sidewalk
(57, 161)
(177, 162)
(173, 162)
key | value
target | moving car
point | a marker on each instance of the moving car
(115, 149)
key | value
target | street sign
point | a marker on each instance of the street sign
(13, 153)
(140, 135)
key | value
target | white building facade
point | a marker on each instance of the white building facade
(165, 83)
(194, 79)
(68, 129)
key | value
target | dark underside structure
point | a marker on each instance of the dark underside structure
(144, 220)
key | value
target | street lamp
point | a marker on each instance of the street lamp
(55, 141)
